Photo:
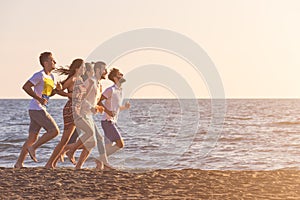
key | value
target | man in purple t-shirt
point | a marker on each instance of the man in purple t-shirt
(113, 98)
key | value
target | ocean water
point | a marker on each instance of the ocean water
(257, 134)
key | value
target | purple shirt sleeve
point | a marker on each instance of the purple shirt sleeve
(36, 78)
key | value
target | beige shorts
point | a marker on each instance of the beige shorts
(41, 119)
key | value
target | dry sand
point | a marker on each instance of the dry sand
(64, 183)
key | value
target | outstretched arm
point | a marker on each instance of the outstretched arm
(126, 106)
(60, 88)
(63, 93)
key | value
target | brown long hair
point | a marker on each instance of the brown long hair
(71, 70)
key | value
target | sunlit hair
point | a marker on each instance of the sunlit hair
(44, 56)
(71, 70)
(113, 72)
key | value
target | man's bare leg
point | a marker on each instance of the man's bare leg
(42, 140)
(87, 148)
(101, 161)
(111, 149)
(32, 138)
(88, 133)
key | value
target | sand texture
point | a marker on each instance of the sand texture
(65, 183)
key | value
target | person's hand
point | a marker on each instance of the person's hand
(58, 86)
(127, 105)
(100, 109)
(42, 101)
(69, 95)
(110, 113)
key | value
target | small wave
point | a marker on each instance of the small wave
(287, 123)
(17, 124)
(232, 139)
(289, 168)
(6, 146)
(8, 158)
(240, 118)
(150, 147)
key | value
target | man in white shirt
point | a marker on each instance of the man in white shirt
(113, 104)
(43, 83)
(88, 108)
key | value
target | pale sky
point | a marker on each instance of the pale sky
(254, 44)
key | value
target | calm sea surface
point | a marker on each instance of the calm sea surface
(256, 135)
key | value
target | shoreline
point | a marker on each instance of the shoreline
(67, 183)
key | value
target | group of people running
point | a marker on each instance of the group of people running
(84, 91)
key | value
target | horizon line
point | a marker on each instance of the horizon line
(204, 98)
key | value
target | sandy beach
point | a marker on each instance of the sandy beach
(65, 183)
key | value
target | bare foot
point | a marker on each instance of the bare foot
(99, 164)
(31, 152)
(108, 167)
(62, 157)
(78, 167)
(71, 157)
(18, 166)
(49, 167)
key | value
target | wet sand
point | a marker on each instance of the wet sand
(65, 183)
